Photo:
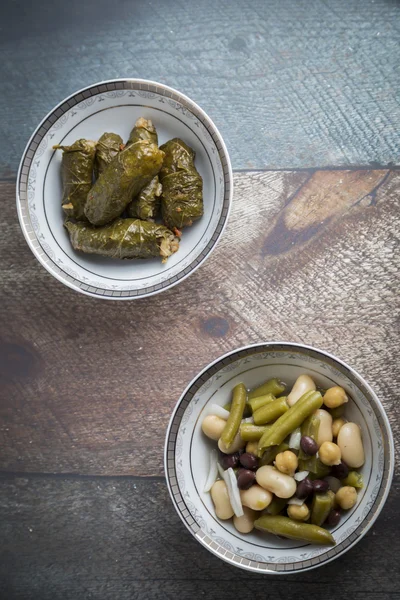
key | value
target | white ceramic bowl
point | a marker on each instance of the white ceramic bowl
(187, 456)
(114, 106)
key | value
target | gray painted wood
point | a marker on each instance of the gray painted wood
(290, 84)
(120, 538)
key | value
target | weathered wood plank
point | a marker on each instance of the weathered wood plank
(290, 84)
(67, 539)
(88, 386)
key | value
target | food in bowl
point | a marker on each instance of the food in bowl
(136, 183)
(123, 238)
(291, 468)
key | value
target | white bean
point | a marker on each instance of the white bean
(351, 446)
(303, 384)
(255, 498)
(325, 426)
(276, 482)
(245, 523)
(236, 445)
(220, 497)
(213, 426)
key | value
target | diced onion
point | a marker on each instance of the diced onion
(233, 492)
(219, 411)
(221, 471)
(334, 483)
(212, 471)
(294, 440)
(300, 475)
(296, 501)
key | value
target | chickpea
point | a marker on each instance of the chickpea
(335, 396)
(337, 425)
(286, 462)
(213, 426)
(329, 454)
(220, 497)
(303, 384)
(252, 448)
(255, 497)
(276, 482)
(298, 513)
(245, 523)
(236, 445)
(346, 497)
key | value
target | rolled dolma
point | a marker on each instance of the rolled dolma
(178, 157)
(143, 130)
(127, 174)
(76, 172)
(124, 238)
(146, 205)
(182, 186)
(108, 146)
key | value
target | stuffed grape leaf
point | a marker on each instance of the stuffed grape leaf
(124, 238)
(108, 146)
(182, 186)
(125, 176)
(76, 172)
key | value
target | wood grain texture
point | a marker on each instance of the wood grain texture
(106, 539)
(289, 84)
(88, 386)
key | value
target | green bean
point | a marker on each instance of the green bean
(277, 505)
(321, 507)
(250, 432)
(256, 403)
(235, 416)
(246, 413)
(294, 530)
(271, 453)
(272, 386)
(354, 479)
(271, 411)
(337, 412)
(316, 468)
(310, 428)
(290, 420)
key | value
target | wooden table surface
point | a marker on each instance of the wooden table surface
(306, 95)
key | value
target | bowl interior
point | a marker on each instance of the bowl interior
(191, 450)
(88, 115)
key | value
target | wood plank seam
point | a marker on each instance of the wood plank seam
(5, 475)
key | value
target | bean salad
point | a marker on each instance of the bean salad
(286, 465)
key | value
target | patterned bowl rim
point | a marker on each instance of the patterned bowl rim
(42, 129)
(176, 497)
